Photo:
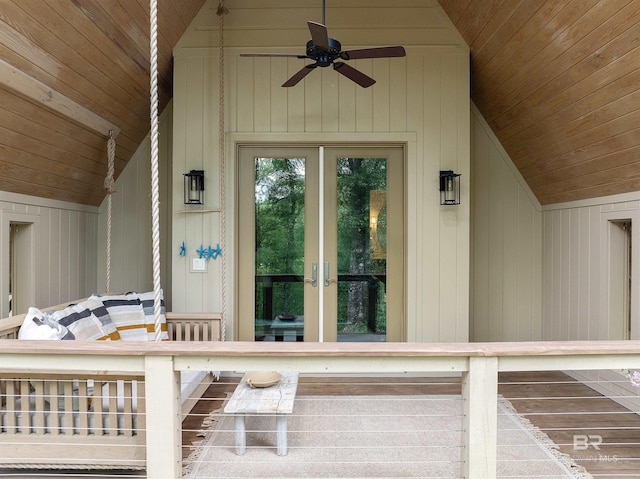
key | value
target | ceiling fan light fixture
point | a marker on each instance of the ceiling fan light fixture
(324, 51)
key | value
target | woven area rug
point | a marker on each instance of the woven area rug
(374, 436)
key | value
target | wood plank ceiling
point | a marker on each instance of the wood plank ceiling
(67, 69)
(558, 81)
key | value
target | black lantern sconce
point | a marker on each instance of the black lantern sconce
(449, 188)
(194, 187)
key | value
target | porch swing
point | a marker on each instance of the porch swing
(51, 420)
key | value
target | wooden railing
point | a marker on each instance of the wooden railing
(159, 363)
(266, 283)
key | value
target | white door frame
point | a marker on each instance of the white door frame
(615, 216)
(25, 255)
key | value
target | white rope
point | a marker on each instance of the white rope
(155, 196)
(109, 185)
(223, 195)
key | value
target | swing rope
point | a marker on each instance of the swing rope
(155, 196)
(223, 195)
(109, 185)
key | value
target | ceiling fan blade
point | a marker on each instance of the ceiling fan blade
(377, 52)
(319, 35)
(299, 75)
(351, 73)
(289, 55)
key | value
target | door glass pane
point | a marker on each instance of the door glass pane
(279, 256)
(362, 249)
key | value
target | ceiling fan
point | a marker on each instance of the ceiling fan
(326, 51)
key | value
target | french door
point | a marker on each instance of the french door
(321, 244)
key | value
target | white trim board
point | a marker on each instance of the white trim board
(633, 196)
(22, 199)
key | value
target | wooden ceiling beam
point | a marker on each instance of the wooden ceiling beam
(46, 96)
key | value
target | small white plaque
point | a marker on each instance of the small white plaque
(198, 265)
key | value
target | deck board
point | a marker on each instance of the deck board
(534, 394)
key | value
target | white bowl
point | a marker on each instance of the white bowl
(262, 379)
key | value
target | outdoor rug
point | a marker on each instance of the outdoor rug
(374, 436)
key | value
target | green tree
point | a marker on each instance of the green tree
(280, 236)
(280, 228)
(357, 178)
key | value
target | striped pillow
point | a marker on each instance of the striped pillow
(100, 312)
(125, 310)
(147, 300)
(80, 320)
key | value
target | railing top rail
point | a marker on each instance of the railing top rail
(295, 349)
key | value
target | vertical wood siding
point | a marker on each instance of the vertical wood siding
(507, 245)
(131, 228)
(63, 245)
(577, 303)
(424, 96)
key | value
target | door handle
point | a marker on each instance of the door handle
(327, 280)
(314, 275)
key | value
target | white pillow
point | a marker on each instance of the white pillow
(38, 325)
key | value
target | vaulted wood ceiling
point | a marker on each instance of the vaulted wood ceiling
(70, 71)
(557, 80)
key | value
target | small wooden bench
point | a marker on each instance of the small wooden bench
(277, 399)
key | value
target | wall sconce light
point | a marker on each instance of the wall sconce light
(449, 188)
(194, 187)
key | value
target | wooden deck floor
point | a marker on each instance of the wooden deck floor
(564, 408)
(554, 402)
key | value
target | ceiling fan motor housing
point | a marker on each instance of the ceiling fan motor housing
(323, 57)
